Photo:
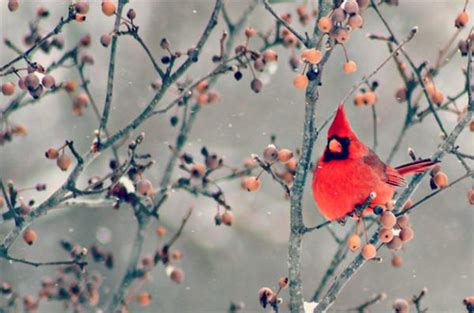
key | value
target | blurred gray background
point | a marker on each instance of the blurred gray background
(222, 263)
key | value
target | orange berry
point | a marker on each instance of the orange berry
(441, 179)
(144, 299)
(312, 56)
(325, 24)
(397, 261)
(386, 235)
(355, 21)
(252, 183)
(70, 85)
(388, 220)
(349, 67)
(52, 154)
(403, 221)
(359, 99)
(270, 55)
(19, 130)
(144, 187)
(227, 218)
(250, 163)
(29, 236)
(300, 82)
(80, 18)
(406, 234)
(108, 7)
(64, 161)
(341, 35)
(401, 306)
(354, 242)
(462, 19)
(250, 32)
(369, 251)
(160, 231)
(471, 126)
(8, 88)
(177, 255)
(202, 86)
(2, 202)
(292, 164)
(203, 99)
(370, 98)
(285, 155)
(395, 244)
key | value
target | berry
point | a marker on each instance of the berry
(397, 261)
(388, 220)
(64, 162)
(341, 36)
(351, 7)
(250, 32)
(131, 14)
(395, 244)
(283, 282)
(350, 67)
(285, 155)
(144, 187)
(401, 306)
(252, 183)
(270, 153)
(160, 231)
(177, 275)
(325, 24)
(312, 56)
(256, 85)
(32, 81)
(48, 81)
(203, 99)
(301, 81)
(355, 21)
(8, 88)
(462, 19)
(29, 236)
(259, 65)
(338, 15)
(52, 154)
(2, 202)
(437, 97)
(13, 5)
(198, 170)
(441, 180)
(401, 94)
(36, 93)
(359, 99)
(227, 218)
(354, 242)
(144, 299)
(105, 40)
(363, 4)
(403, 221)
(270, 55)
(70, 85)
(238, 75)
(264, 295)
(370, 98)
(369, 251)
(82, 7)
(385, 235)
(406, 234)
(470, 196)
(108, 7)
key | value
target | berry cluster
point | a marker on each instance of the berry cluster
(366, 96)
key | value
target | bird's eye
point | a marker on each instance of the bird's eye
(335, 146)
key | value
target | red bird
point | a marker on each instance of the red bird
(348, 171)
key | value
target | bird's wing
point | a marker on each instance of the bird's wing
(390, 175)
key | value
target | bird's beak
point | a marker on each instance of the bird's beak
(335, 146)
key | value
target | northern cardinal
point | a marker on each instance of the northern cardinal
(348, 171)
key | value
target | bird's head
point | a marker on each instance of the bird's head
(340, 137)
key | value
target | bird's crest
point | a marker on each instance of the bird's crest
(340, 125)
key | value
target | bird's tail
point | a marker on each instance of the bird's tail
(416, 167)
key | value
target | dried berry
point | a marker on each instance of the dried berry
(256, 85)
(105, 40)
(406, 234)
